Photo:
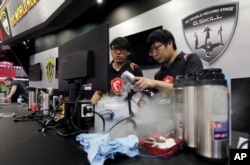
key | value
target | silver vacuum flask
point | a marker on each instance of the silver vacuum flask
(190, 111)
(178, 106)
(32, 97)
(212, 115)
(45, 103)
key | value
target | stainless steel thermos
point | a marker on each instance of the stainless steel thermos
(190, 110)
(204, 107)
(212, 115)
(44, 101)
(32, 97)
(178, 106)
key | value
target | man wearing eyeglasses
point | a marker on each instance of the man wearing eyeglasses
(162, 47)
(120, 49)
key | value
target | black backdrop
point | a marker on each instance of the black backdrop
(240, 90)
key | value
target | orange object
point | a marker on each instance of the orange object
(34, 107)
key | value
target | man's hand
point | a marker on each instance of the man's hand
(142, 83)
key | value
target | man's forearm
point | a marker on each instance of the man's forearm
(11, 93)
(163, 86)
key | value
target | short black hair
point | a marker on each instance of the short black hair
(160, 35)
(121, 43)
(8, 79)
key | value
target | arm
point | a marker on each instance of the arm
(96, 97)
(142, 83)
(11, 93)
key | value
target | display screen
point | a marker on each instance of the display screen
(139, 54)
(77, 65)
(86, 58)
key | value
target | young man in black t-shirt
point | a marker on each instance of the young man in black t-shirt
(120, 49)
(163, 49)
(16, 90)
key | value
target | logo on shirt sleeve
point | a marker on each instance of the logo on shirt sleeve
(167, 79)
(116, 85)
(132, 66)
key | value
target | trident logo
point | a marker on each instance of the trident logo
(208, 45)
(198, 31)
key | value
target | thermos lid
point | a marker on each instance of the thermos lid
(212, 70)
(31, 89)
(191, 79)
(212, 76)
(179, 81)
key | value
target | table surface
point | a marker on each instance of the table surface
(22, 143)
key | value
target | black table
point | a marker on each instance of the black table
(21, 143)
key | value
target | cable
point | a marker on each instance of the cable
(111, 113)
(107, 114)
(46, 125)
(131, 114)
(103, 120)
(118, 123)
(69, 134)
(32, 117)
(52, 114)
(72, 115)
(152, 156)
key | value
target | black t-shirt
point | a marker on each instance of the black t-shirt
(19, 91)
(184, 63)
(116, 84)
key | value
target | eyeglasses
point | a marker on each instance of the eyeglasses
(154, 50)
(121, 50)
